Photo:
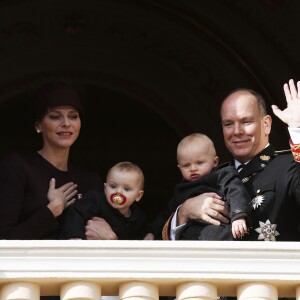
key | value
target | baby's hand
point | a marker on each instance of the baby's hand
(239, 228)
(149, 236)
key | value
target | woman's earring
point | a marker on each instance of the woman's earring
(38, 131)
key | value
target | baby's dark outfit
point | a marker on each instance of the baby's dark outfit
(94, 204)
(225, 182)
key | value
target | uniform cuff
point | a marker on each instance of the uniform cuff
(295, 151)
(166, 229)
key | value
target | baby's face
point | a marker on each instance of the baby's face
(195, 162)
(122, 188)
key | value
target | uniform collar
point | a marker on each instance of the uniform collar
(258, 162)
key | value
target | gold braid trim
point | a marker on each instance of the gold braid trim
(295, 150)
(166, 229)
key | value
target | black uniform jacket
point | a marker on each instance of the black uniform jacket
(225, 182)
(94, 203)
(272, 179)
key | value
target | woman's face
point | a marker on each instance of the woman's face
(60, 127)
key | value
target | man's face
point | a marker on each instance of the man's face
(246, 131)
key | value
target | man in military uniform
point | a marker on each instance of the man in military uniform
(271, 177)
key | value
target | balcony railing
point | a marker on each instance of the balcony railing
(148, 269)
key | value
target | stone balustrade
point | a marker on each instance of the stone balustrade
(135, 270)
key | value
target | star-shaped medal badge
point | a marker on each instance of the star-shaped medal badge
(267, 231)
(257, 201)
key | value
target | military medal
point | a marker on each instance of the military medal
(267, 231)
(257, 201)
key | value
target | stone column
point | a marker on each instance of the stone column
(137, 290)
(20, 291)
(256, 290)
(196, 290)
(80, 290)
(298, 293)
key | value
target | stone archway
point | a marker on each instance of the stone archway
(117, 126)
(168, 61)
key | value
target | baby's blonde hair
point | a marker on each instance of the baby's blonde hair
(127, 166)
(194, 137)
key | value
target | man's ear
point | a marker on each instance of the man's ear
(139, 196)
(267, 120)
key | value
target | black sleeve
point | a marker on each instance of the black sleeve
(77, 215)
(235, 193)
(16, 179)
(156, 226)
